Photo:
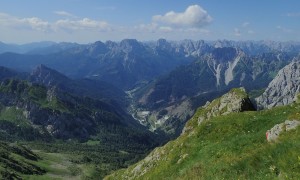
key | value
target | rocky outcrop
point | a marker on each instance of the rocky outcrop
(283, 89)
(235, 100)
(273, 133)
(48, 77)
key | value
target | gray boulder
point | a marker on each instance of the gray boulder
(273, 133)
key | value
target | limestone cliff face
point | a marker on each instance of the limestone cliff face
(283, 89)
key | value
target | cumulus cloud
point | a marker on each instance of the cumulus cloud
(26, 23)
(152, 27)
(193, 16)
(165, 29)
(37, 24)
(8, 21)
(82, 24)
(64, 13)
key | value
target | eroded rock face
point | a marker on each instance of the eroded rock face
(273, 133)
(283, 89)
(235, 100)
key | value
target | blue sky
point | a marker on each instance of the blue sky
(86, 21)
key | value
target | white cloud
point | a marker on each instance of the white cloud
(82, 24)
(8, 21)
(286, 30)
(293, 14)
(64, 13)
(165, 29)
(243, 30)
(193, 16)
(250, 32)
(38, 24)
(33, 23)
(152, 27)
(245, 24)
(237, 32)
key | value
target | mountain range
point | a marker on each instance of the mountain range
(283, 89)
(122, 99)
(162, 76)
(204, 79)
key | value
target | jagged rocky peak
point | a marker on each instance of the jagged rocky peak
(283, 89)
(129, 45)
(225, 54)
(196, 48)
(222, 43)
(110, 44)
(222, 62)
(201, 44)
(40, 70)
(236, 100)
(189, 44)
(163, 44)
(98, 48)
(46, 76)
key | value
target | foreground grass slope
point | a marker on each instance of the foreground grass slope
(225, 146)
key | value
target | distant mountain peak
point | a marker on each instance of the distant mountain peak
(283, 89)
(7, 73)
(225, 54)
(97, 48)
(42, 69)
(131, 45)
(163, 44)
(47, 76)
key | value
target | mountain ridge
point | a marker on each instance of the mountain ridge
(206, 78)
(283, 89)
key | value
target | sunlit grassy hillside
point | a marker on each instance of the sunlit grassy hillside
(228, 146)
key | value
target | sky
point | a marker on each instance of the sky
(87, 21)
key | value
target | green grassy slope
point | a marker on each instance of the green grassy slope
(228, 146)
(27, 110)
(16, 161)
